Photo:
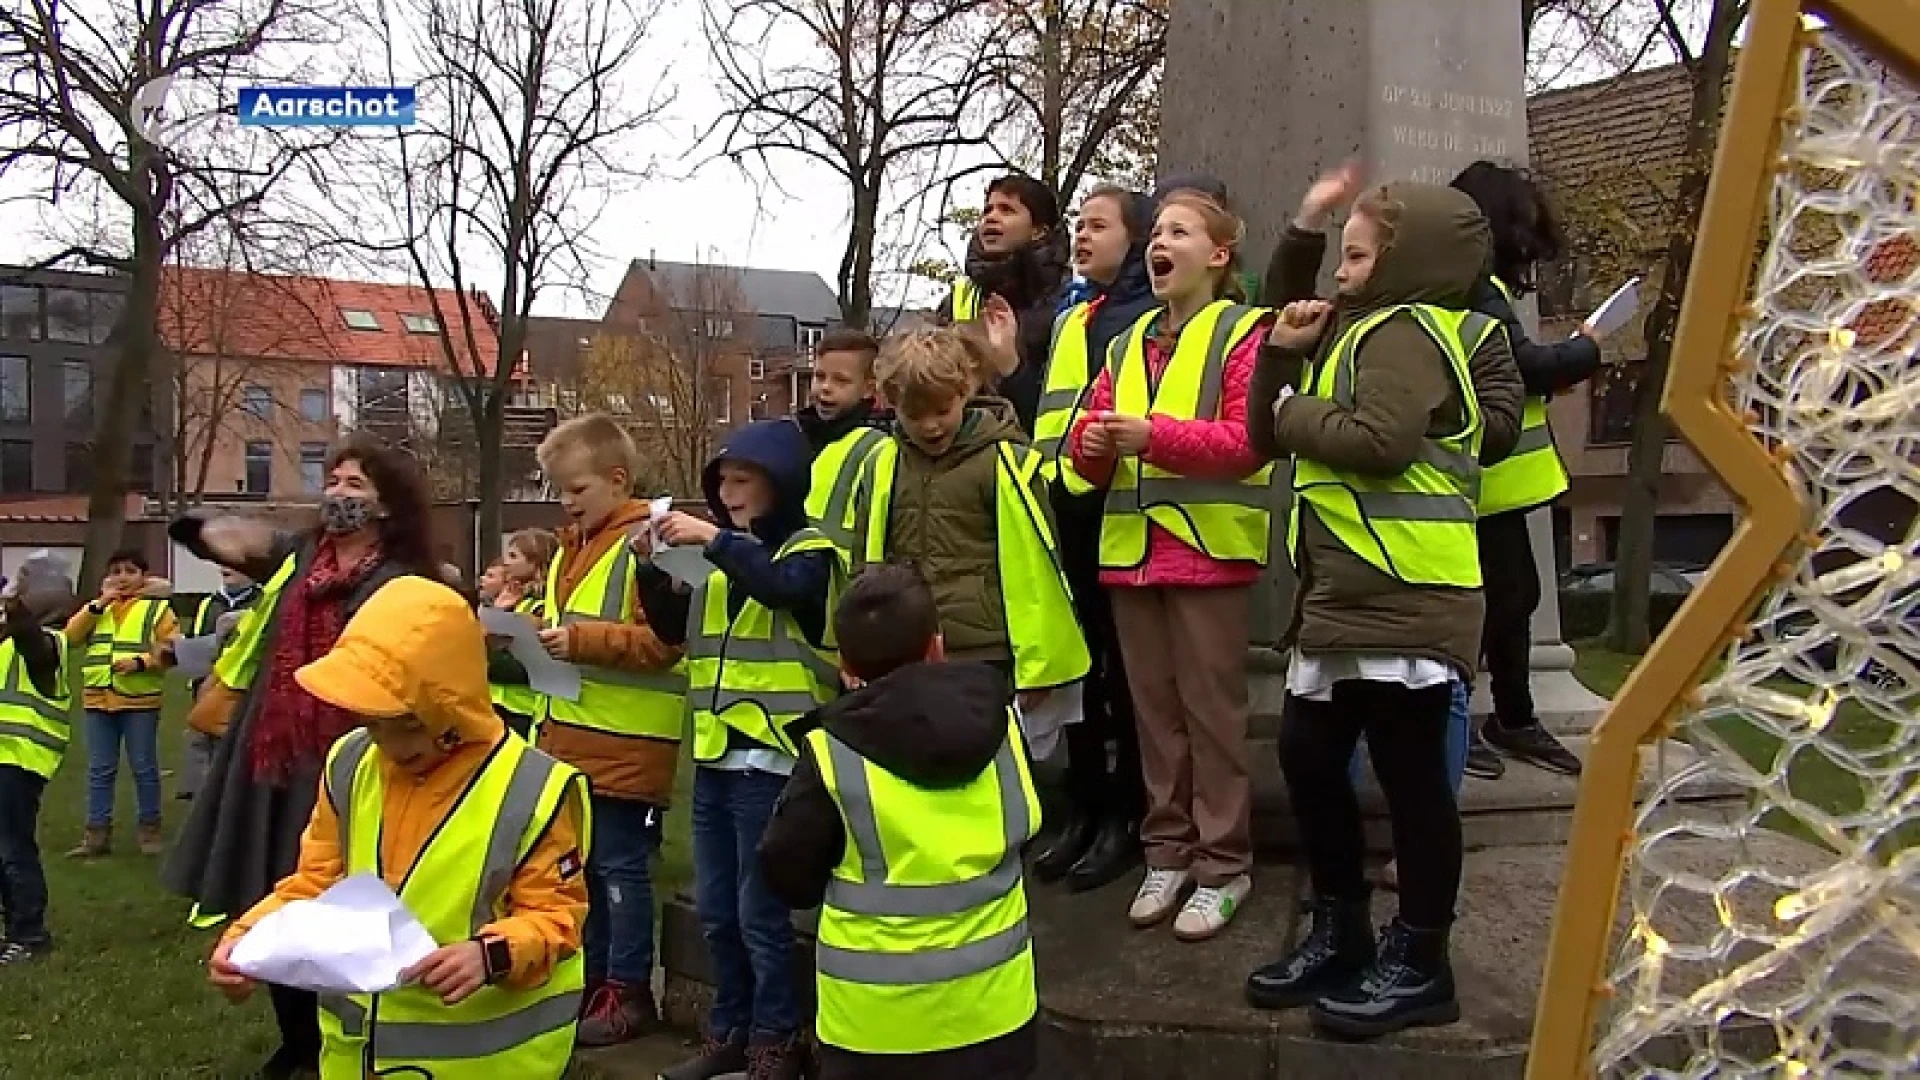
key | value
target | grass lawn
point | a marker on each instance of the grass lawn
(1814, 778)
(124, 994)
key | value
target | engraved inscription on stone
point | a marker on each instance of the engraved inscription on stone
(1431, 134)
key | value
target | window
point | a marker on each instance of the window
(140, 469)
(79, 468)
(20, 312)
(359, 319)
(618, 405)
(76, 393)
(82, 317)
(257, 402)
(756, 368)
(719, 328)
(259, 468)
(16, 466)
(313, 467)
(810, 339)
(16, 392)
(420, 324)
(313, 406)
(722, 389)
(757, 408)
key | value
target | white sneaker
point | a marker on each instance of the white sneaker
(1159, 895)
(1208, 911)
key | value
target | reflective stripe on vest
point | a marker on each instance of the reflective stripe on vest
(118, 635)
(926, 914)
(240, 660)
(34, 730)
(836, 472)
(457, 885)
(636, 704)
(1224, 519)
(518, 697)
(755, 672)
(1533, 474)
(1417, 527)
(966, 297)
(1063, 388)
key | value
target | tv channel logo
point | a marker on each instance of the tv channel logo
(326, 106)
(169, 111)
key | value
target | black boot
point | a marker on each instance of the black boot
(1052, 861)
(1115, 851)
(1409, 985)
(1338, 946)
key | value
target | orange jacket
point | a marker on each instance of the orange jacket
(80, 628)
(546, 903)
(618, 767)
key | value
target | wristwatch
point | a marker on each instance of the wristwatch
(499, 957)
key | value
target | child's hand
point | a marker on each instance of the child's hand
(1030, 700)
(1300, 325)
(222, 974)
(1095, 440)
(554, 640)
(127, 665)
(679, 528)
(1002, 328)
(640, 542)
(1129, 433)
(452, 971)
(1331, 191)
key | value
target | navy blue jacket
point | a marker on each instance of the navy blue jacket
(797, 584)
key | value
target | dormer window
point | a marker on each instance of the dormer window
(359, 319)
(420, 324)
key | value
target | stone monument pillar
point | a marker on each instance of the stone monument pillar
(1266, 94)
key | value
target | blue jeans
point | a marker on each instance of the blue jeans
(749, 933)
(105, 730)
(619, 932)
(1459, 725)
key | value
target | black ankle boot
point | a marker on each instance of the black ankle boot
(1052, 861)
(1115, 852)
(1409, 985)
(1337, 947)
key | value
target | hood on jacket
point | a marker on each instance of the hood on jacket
(779, 449)
(415, 647)
(934, 725)
(1440, 248)
(1030, 276)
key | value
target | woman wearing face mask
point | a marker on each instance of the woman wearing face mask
(244, 832)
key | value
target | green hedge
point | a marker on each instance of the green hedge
(1583, 613)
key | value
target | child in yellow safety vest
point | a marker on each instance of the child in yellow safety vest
(36, 697)
(758, 658)
(121, 638)
(413, 795)
(513, 583)
(903, 823)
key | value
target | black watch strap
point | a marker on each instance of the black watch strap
(499, 957)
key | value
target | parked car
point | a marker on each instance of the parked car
(1668, 579)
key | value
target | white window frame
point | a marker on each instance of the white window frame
(347, 315)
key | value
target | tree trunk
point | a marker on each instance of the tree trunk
(1628, 623)
(113, 430)
(490, 433)
(1052, 94)
(856, 267)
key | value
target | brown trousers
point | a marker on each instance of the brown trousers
(1185, 651)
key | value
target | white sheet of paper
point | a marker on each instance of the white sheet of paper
(1617, 310)
(194, 656)
(1047, 722)
(686, 563)
(556, 678)
(356, 937)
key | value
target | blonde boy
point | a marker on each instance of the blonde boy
(624, 730)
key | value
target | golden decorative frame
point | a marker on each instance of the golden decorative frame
(1695, 398)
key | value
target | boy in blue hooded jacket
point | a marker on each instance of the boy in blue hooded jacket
(758, 656)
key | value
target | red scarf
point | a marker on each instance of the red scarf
(294, 726)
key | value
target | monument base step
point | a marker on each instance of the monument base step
(1526, 807)
(1123, 1004)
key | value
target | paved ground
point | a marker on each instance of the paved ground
(641, 1059)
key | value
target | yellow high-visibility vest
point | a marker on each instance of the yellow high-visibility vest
(754, 671)
(239, 661)
(1223, 519)
(118, 634)
(836, 471)
(514, 697)
(966, 300)
(1417, 527)
(34, 729)
(457, 885)
(926, 915)
(1042, 630)
(634, 704)
(1533, 474)
(1063, 392)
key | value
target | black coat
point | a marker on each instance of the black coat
(1031, 280)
